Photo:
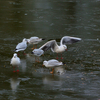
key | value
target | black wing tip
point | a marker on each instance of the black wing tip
(74, 41)
(32, 53)
(15, 50)
(43, 39)
(64, 63)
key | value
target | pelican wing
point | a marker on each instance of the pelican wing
(34, 39)
(69, 40)
(48, 45)
(54, 62)
(21, 45)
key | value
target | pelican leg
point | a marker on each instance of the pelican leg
(35, 59)
(24, 53)
(17, 69)
(61, 56)
(38, 59)
(57, 56)
(33, 47)
(52, 72)
(13, 69)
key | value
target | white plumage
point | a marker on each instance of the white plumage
(59, 48)
(15, 61)
(52, 63)
(37, 52)
(34, 40)
(55, 47)
(21, 46)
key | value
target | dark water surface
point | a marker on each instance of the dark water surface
(50, 19)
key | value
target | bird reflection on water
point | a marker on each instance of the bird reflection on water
(60, 70)
(23, 65)
(53, 80)
(14, 82)
(32, 58)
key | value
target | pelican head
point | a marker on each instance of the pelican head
(15, 55)
(28, 40)
(65, 47)
(45, 62)
(24, 40)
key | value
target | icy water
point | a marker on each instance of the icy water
(79, 78)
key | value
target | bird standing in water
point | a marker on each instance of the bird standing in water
(58, 48)
(34, 40)
(51, 64)
(15, 61)
(21, 46)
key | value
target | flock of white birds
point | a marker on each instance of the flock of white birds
(15, 61)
